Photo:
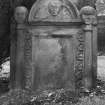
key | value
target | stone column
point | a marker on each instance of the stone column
(20, 17)
(88, 16)
(13, 46)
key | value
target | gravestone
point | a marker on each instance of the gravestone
(56, 47)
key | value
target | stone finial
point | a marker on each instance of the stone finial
(88, 15)
(21, 14)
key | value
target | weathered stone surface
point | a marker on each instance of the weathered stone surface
(6, 13)
(53, 57)
(56, 10)
(88, 15)
(79, 64)
(55, 47)
(100, 6)
(20, 14)
(28, 59)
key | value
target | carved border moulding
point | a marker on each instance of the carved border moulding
(28, 59)
(79, 66)
(80, 37)
(81, 46)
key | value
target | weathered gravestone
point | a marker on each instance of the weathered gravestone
(56, 47)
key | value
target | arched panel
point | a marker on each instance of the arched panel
(53, 10)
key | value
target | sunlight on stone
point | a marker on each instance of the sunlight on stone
(5, 69)
(101, 67)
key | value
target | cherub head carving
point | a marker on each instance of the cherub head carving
(54, 7)
(20, 14)
(88, 14)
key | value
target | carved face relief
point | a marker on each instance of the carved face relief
(54, 7)
(20, 14)
(88, 19)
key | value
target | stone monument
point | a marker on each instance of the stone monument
(56, 47)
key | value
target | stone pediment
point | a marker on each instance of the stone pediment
(53, 10)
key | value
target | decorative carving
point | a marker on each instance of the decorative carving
(80, 37)
(80, 55)
(28, 59)
(53, 10)
(81, 46)
(54, 7)
(88, 15)
(79, 66)
(21, 14)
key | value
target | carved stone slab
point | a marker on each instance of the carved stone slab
(53, 10)
(57, 58)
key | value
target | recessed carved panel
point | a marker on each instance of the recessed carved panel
(54, 59)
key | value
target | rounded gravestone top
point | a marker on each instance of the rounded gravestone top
(88, 10)
(53, 10)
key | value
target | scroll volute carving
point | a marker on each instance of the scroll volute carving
(21, 14)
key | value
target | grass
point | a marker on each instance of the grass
(57, 97)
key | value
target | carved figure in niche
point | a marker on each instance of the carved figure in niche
(21, 14)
